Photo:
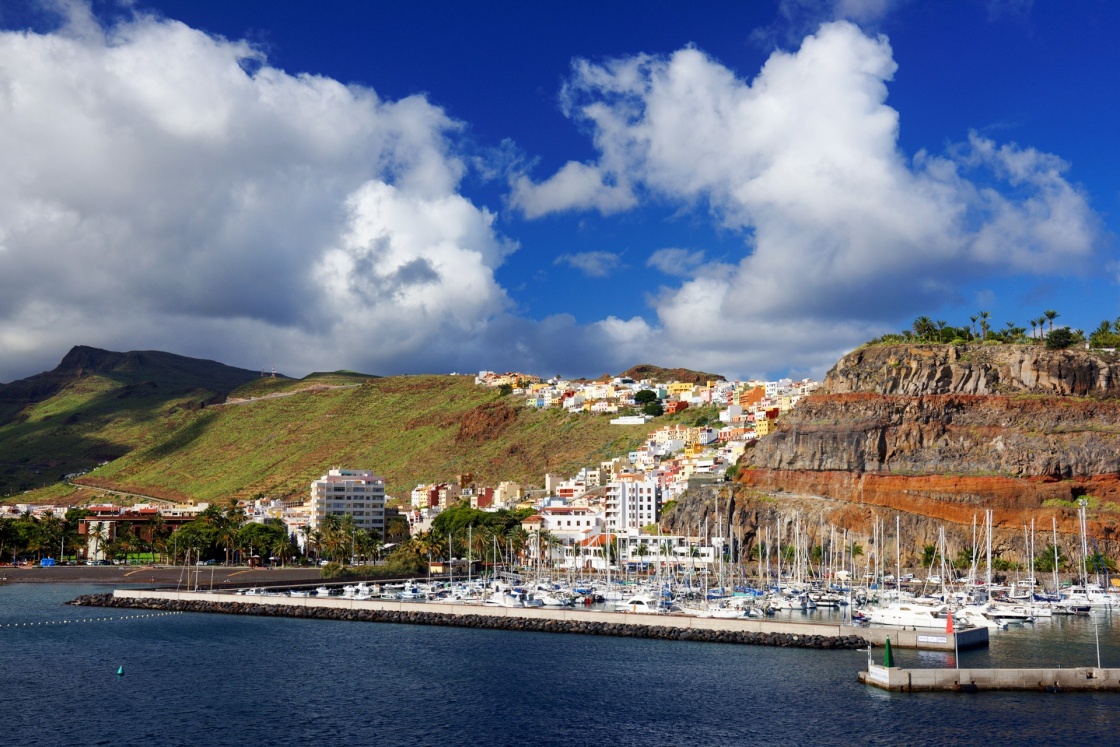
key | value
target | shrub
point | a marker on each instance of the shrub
(1060, 338)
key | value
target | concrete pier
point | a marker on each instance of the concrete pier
(568, 617)
(1078, 679)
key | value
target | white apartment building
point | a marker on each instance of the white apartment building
(632, 503)
(359, 493)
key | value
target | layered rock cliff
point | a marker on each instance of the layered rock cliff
(937, 434)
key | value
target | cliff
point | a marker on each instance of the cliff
(937, 434)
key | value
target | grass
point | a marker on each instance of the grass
(405, 428)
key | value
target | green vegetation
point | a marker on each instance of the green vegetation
(926, 330)
(409, 428)
(1107, 335)
(29, 538)
(97, 406)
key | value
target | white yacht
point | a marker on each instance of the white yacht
(902, 615)
(641, 603)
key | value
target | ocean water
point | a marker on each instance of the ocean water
(196, 679)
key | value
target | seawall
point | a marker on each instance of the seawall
(746, 631)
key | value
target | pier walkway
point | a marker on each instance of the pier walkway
(575, 617)
(1077, 679)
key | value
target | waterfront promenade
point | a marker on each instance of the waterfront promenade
(565, 619)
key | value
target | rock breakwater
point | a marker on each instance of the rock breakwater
(527, 624)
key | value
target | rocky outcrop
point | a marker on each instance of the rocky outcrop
(947, 434)
(913, 370)
(936, 434)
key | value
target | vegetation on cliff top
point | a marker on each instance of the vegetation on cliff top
(926, 330)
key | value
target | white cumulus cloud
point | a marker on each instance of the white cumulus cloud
(842, 231)
(163, 186)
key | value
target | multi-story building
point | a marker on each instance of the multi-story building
(633, 501)
(359, 493)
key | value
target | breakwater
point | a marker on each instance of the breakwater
(1050, 679)
(661, 628)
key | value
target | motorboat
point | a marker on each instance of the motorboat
(901, 615)
(641, 604)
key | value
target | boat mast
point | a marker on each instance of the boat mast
(1054, 525)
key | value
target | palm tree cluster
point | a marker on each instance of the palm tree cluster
(224, 531)
(28, 537)
(339, 540)
(464, 532)
(926, 330)
(1107, 335)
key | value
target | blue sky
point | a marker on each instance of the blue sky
(563, 188)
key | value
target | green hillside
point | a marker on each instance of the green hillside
(164, 426)
(408, 428)
(98, 405)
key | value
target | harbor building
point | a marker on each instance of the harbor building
(359, 493)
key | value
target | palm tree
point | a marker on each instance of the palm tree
(941, 325)
(972, 328)
(98, 534)
(922, 326)
(984, 324)
(1051, 315)
(281, 549)
(1034, 323)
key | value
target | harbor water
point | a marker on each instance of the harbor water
(195, 679)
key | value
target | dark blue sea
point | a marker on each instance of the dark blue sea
(196, 679)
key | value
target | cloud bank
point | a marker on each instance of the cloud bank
(165, 188)
(842, 232)
(162, 187)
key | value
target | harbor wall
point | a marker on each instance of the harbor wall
(1076, 679)
(745, 630)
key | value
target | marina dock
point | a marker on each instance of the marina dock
(1077, 679)
(562, 619)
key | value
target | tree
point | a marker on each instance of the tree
(198, 536)
(929, 552)
(984, 315)
(1104, 337)
(9, 535)
(923, 327)
(654, 409)
(1044, 561)
(505, 390)
(260, 538)
(645, 396)
(1051, 315)
(98, 533)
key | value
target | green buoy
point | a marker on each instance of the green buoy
(120, 671)
(888, 658)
